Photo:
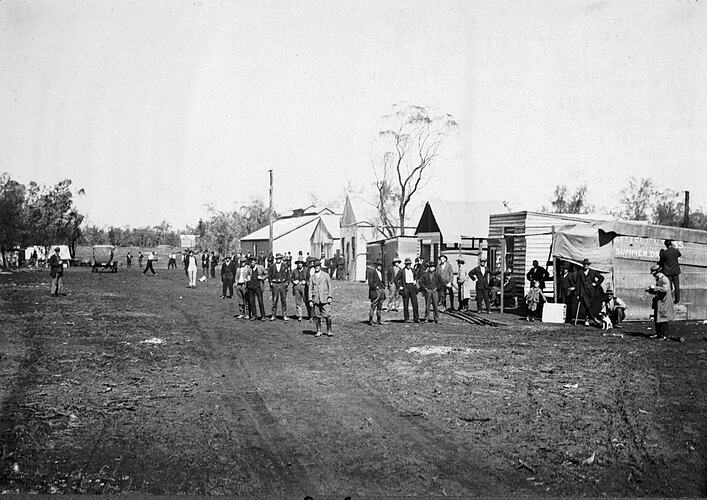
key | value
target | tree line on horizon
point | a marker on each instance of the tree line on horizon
(641, 200)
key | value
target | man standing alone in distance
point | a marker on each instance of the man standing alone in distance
(56, 272)
(668, 261)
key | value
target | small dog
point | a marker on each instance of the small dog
(606, 323)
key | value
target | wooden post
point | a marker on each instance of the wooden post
(554, 267)
(686, 219)
(503, 266)
(270, 245)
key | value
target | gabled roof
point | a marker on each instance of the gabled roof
(333, 224)
(456, 218)
(282, 227)
(357, 210)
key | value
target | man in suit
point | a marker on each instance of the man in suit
(279, 277)
(668, 261)
(376, 292)
(320, 298)
(394, 294)
(567, 284)
(299, 277)
(227, 278)
(56, 272)
(588, 281)
(446, 273)
(242, 277)
(481, 277)
(407, 287)
(255, 289)
(538, 273)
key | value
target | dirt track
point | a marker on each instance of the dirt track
(224, 406)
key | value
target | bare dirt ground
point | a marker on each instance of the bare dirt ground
(135, 384)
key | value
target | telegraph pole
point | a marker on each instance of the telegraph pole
(270, 215)
(686, 219)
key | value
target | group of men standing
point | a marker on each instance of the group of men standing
(245, 277)
(434, 281)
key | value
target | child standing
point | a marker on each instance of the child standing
(532, 300)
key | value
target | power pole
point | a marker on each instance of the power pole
(270, 214)
(686, 219)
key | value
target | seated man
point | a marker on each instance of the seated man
(615, 308)
(510, 297)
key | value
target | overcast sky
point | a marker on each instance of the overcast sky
(158, 108)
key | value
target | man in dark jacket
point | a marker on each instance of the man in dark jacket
(668, 261)
(538, 273)
(407, 286)
(227, 278)
(56, 265)
(255, 289)
(588, 291)
(567, 284)
(431, 284)
(481, 277)
(376, 292)
(279, 277)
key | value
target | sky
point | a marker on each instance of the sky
(158, 109)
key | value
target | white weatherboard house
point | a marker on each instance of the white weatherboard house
(358, 228)
(314, 231)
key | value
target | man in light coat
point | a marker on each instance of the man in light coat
(447, 274)
(663, 311)
(463, 284)
(320, 298)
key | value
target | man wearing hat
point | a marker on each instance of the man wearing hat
(615, 309)
(566, 285)
(320, 298)
(668, 261)
(481, 277)
(227, 278)
(588, 281)
(407, 287)
(463, 284)
(376, 292)
(243, 274)
(538, 273)
(56, 272)
(431, 284)
(393, 294)
(255, 289)
(299, 277)
(279, 277)
(663, 311)
(446, 273)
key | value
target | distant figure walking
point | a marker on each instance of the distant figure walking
(668, 260)
(139, 259)
(56, 271)
(129, 260)
(151, 258)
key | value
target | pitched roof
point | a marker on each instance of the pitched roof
(358, 210)
(282, 227)
(456, 218)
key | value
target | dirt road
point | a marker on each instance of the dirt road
(134, 383)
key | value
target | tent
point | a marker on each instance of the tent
(624, 251)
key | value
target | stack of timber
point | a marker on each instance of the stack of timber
(474, 318)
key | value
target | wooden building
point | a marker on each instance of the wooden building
(625, 251)
(303, 231)
(455, 228)
(528, 237)
(358, 228)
